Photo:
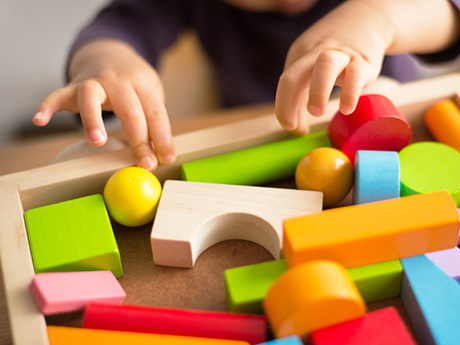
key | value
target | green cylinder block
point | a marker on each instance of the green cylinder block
(255, 165)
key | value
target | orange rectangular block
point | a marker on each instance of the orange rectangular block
(76, 336)
(375, 232)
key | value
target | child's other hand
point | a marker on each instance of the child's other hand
(344, 48)
(109, 75)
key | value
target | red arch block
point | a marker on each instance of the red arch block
(376, 124)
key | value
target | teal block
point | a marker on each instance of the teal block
(377, 176)
(291, 340)
(432, 301)
(246, 286)
(74, 235)
(255, 165)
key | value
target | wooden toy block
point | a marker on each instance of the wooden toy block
(458, 243)
(246, 286)
(76, 336)
(172, 321)
(291, 340)
(24, 324)
(380, 231)
(443, 122)
(310, 296)
(66, 292)
(255, 165)
(447, 260)
(193, 216)
(379, 281)
(326, 170)
(377, 176)
(432, 301)
(74, 235)
(380, 327)
(429, 167)
(376, 124)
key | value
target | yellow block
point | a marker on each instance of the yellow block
(375, 232)
(310, 296)
(443, 122)
(81, 336)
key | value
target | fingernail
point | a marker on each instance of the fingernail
(38, 115)
(315, 111)
(148, 163)
(168, 159)
(96, 136)
(288, 127)
(346, 110)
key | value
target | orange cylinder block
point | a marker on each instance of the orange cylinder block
(310, 296)
(443, 122)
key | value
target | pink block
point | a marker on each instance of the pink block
(65, 292)
(447, 260)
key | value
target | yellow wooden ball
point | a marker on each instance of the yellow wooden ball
(132, 195)
(327, 170)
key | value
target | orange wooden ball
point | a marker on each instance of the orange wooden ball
(327, 170)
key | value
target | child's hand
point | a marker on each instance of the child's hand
(345, 48)
(109, 75)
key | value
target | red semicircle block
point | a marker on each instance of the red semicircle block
(376, 124)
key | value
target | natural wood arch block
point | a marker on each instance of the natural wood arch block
(311, 296)
(379, 231)
(377, 176)
(443, 122)
(376, 124)
(193, 216)
(429, 167)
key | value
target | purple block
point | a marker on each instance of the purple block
(447, 260)
(458, 209)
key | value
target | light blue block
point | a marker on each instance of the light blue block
(291, 340)
(432, 301)
(377, 176)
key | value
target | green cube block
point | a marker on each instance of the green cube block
(74, 235)
(246, 286)
(379, 281)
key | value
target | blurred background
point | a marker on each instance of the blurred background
(35, 37)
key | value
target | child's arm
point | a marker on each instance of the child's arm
(110, 75)
(347, 47)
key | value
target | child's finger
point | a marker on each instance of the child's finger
(61, 99)
(90, 97)
(158, 125)
(292, 83)
(329, 65)
(127, 107)
(355, 77)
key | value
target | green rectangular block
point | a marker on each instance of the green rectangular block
(255, 165)
(378, 281)
(74, 235)
(246, 286)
